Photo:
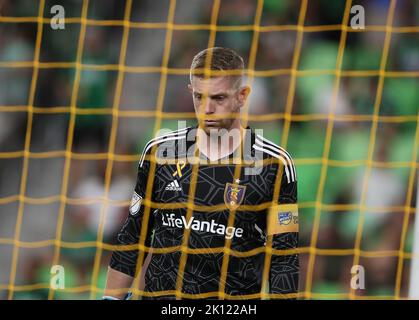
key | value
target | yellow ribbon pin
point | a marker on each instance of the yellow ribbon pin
(179, 166)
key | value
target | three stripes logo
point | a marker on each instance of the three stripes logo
(173, 186)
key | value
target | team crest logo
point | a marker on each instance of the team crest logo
(233, 195)
(135, 203)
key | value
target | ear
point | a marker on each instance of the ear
(244, 92)
(190, 88)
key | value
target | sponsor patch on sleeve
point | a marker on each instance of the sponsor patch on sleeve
(135, 204)
(282, 218)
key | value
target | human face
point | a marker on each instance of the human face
(217, 102)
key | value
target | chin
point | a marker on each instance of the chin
(209, 129)
(206, 128)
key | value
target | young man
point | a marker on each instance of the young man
(263, 213)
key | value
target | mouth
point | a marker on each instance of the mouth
(211, 122)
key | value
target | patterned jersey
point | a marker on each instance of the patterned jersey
(260, 211)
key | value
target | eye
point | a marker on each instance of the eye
(219, 98)
(198, 96)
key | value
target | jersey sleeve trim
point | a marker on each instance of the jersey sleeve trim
(279, 153)
(175, 135)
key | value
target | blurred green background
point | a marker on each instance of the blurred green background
(394, 138)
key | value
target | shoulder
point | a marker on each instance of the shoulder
(162, 138)
(272, 150)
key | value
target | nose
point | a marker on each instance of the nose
(209, 107)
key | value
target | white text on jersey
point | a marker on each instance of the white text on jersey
(212, 227)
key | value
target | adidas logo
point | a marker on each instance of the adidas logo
(174, 186)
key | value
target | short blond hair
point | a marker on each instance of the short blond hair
(222, 59)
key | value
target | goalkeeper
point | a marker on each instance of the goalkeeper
(261, 211)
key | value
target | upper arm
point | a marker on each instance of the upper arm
(282, 215)
(126, 260)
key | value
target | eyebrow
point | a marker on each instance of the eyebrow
(212, 96)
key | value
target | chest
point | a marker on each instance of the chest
(213, 185)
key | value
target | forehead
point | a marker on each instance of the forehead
(212, 85)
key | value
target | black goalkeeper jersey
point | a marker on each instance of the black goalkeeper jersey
(218, 194)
